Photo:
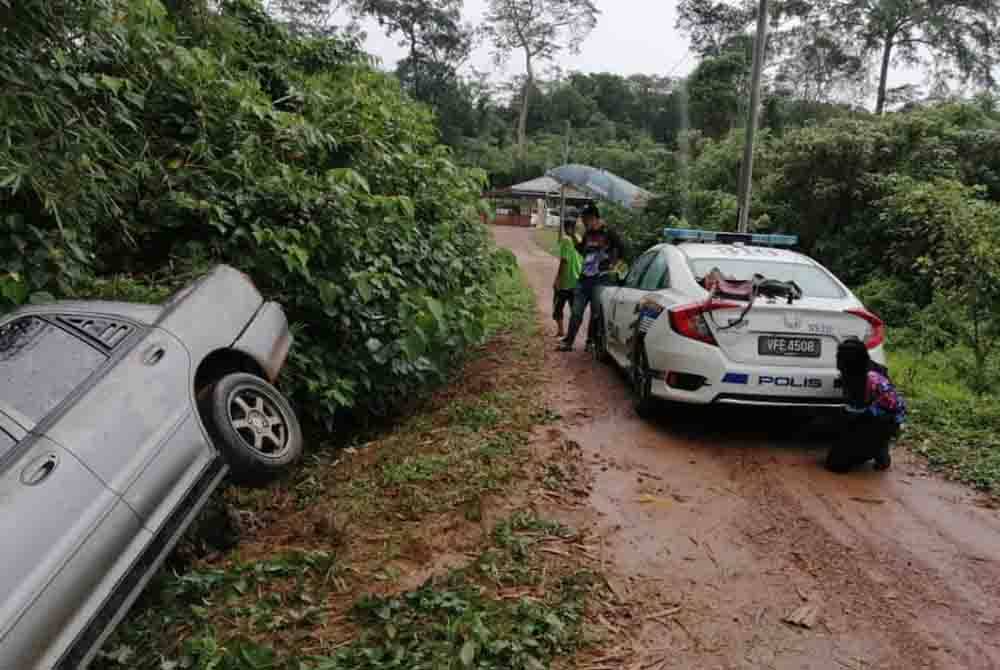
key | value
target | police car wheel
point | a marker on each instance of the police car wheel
(600, 349)
(642, 383)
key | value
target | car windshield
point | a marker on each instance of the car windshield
(813, 281)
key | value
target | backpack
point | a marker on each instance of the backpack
(883, 399)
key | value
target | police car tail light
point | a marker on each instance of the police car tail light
(690, 321)
(875, 333)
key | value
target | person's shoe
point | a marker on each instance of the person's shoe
(882, 459)
(589, 346)
(564, 346)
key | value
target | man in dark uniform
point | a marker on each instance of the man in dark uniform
(601, 249)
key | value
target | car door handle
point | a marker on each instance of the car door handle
(154, 354)
(39, 470)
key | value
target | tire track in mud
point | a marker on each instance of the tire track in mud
(729, 520)
(856, 549)
(853, 584)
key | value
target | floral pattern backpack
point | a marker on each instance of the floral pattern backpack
(881, 397)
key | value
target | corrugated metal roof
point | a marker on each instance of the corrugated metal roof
(542, 186)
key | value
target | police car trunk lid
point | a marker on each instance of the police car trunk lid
(802, 334)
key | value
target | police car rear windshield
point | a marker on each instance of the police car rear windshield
(814, 282)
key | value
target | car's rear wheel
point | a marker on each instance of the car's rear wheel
(253, 426)
(642, 382)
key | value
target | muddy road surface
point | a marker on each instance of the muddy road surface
(718, 525)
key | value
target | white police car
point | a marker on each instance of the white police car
(731, 318)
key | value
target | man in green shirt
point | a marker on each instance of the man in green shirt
(570, 263)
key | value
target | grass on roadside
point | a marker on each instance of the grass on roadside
(511, 607)
(396, 552)
(495, 612)
(514, 305)
(548, 239)
(956, 429)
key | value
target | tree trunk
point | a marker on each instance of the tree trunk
(884, 74)
(415, 70)
(522, 122)
(979, 375)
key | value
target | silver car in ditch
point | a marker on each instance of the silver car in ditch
(117, 421)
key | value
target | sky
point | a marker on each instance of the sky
(632, 36)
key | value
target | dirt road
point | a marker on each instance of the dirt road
(719, 524)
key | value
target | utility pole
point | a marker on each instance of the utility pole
(562, 206)
(746, 169)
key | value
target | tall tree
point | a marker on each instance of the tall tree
(306, 17)
(540, 29)
(712, 24)
(718, 91)
(817, 65)
(964, 33)
(652, 100)
(431, 31)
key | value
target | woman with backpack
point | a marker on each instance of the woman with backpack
(875, 410)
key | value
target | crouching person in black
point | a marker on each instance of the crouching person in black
(875, 411)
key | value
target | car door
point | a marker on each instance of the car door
(62, 528)
(137, 427)
(623, 312)
(654, 280)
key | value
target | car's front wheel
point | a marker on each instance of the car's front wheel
(253, 426)
(642, 382)
(601, 354)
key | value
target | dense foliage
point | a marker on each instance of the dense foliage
(149, 142)
(847, 187)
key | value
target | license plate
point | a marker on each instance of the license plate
(798, 347)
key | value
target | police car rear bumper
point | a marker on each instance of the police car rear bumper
(776, 401)
(724, 382)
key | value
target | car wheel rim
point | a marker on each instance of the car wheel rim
(259, 422)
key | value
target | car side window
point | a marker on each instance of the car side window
(40, 365)
(635, 274)
(656, 274)
(665, 279)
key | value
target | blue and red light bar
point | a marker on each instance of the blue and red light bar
(760, 239)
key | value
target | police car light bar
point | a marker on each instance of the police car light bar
(763, 239)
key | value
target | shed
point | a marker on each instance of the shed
(528, 203)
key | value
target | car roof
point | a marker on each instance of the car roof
(700, 250)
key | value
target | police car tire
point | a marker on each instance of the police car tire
(643, 399)
(601, 354)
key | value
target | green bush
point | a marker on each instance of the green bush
(949, 238)
(893, 299)
(955, 428)
(141, 146)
